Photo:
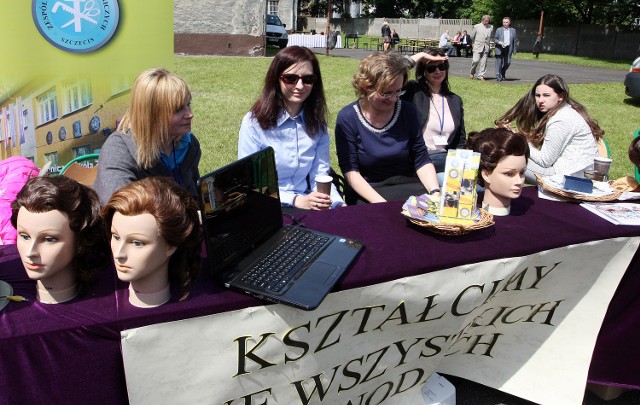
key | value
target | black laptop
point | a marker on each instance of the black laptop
(250, 249)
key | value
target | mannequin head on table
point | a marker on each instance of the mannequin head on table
(60, 237)
(155, 239)
(503, 162)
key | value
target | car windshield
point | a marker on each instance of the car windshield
(273, 20)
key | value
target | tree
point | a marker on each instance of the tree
(616, 13)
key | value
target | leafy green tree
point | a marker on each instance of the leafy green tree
(617, 13)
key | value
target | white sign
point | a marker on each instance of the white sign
(526, 326)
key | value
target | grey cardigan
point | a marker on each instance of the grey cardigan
(117, 166)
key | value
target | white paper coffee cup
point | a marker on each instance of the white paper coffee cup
(323, 184)
(601, 165)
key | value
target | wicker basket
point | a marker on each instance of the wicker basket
(486, 220)
(576, 196)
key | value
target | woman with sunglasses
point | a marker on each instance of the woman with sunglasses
(440, 112)
(380, 148)
(290, 116)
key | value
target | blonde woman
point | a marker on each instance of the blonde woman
(379, 143)
(154, 137)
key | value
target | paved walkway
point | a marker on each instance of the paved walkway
(520, 72)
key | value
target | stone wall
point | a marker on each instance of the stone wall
(581, 40)
(406, 28)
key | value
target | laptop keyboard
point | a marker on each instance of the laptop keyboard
(274, 271)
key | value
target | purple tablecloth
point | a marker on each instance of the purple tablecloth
(70, 353)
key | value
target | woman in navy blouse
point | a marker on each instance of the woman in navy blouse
(380, 147)
(290, 116)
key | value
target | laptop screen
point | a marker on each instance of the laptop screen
(241, 207)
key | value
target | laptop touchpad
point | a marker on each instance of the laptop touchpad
(322, 273)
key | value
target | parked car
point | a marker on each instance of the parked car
(632, 80)
(276, 33)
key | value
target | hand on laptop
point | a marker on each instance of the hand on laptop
(313, 201)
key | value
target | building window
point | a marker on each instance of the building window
(47, 107)
(76, 95)
(81, 151)
(272, 7)
(51, 157)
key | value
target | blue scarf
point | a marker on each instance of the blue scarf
(177, 154)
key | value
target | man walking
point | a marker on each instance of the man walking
(481, 36)
(505, 47)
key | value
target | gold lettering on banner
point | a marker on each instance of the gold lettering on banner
(365, 317)
(243, 354)
(539, 308)
(301, 344)
(249, 398)
(269, 349)
(332, 326)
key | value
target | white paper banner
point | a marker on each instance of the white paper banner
(524, 325)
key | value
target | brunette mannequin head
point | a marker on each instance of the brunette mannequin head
(60, 236)
(155, 239)
(503, 162)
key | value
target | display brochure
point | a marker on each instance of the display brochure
(617, 213)
(425, 208)
(459, 196)
(600, 188)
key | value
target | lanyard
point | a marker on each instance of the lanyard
(440, 119)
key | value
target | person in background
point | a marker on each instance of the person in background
(379, 143)
(634, 151)
(290, 116)
(561, 135)
(395, 38)
(456, 43)
(444, 43)
(481, 36)
(465, 43)
(154, 137)
(506, 43)
(386, 36)
(440, 111)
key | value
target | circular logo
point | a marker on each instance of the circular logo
(77, 26)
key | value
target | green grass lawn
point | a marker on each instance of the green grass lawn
(224, 88)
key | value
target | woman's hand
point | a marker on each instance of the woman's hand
(436, 58)
(314, 201)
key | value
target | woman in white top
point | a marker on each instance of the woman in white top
(562, 137)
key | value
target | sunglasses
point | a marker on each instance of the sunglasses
(442, 67)
(293, 79)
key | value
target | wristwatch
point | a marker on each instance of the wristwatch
(432, 192)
